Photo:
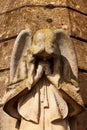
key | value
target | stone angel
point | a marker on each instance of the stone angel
(43, 92)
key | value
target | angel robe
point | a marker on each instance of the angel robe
(43, 108)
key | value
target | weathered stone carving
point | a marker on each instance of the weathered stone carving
(43, 92)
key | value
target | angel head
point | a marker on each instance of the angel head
(44, 43)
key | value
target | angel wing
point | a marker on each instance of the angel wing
(18, 72)
(18, 66)
(69, 72)
(68, 54)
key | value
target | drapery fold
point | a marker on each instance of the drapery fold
(44, 95)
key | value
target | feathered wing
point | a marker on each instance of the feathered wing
(69, 68)
(67, 50)
(18, 72)
(18, 65)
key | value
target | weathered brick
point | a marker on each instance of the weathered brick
(5, 53)
(82, 120)
(33, 18)
(80, 5)
(81, 50)
(83, 85)
(78, 24)
(4, 81)
(6, 5)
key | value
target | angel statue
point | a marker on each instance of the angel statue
(43, 92)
